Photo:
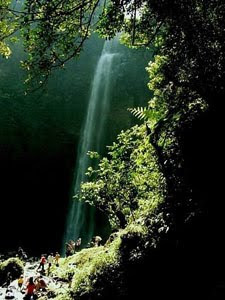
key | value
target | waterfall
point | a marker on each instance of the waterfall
(80, 219)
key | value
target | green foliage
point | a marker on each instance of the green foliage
(140, 112)
(12, 265)
(127, 178)
(187, 33)
(8, 26)
(129, 186)
(54, 32)
(133, 19)
(157, 106)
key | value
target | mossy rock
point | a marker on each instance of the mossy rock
(14, 266)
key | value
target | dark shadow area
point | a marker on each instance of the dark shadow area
(34, 196)
(190, 264)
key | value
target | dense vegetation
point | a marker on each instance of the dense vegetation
(127, 183)
(144, 185)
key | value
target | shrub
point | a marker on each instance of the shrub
(14, 266)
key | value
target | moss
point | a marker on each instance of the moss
(84, 268)
(63, 297)
(106, 256)
(14, 266)
(100, 272)
(60, 296)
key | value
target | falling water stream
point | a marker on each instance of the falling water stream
(81, 218)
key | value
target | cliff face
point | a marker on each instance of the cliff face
(204, 163)
(188, 261)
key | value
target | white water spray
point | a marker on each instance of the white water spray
(80, 220)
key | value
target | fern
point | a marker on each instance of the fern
(149, 115)
(142, 113)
